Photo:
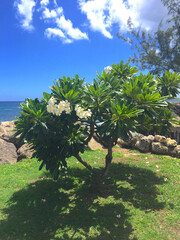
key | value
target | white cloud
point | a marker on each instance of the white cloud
(67, 27)
(103, 14)
(95, 11)
(56, 16)
(62, 28)
(56, 32)
(44, 2)
(25, 10)
(49, 13)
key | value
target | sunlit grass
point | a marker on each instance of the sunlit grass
(139, 199)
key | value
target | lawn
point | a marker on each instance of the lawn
(139, 200)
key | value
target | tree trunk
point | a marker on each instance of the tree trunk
(98, 178)
(96, 181)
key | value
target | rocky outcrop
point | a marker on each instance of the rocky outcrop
(10, 149)
(7, 132)
(8, 154)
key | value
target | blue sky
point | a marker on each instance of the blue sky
(42, 40)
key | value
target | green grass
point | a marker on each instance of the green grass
(139, 200)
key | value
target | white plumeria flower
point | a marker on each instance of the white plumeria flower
(118, 216)
(58, 112)
(54, 109)
(68, 110)
(57, 109)
(81, 113)
(89, 113)
(51, 108)
(61, 105)
(108, 69)
(52, 101)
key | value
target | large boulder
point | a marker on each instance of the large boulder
(175, 152)
(159, 138)
(170, 143)
(123, 144)
(24, 152)
(94, 145)
(144, 143)
(8, 154)
(2, 130)
(7, 132)
(135, 137)
(159, 148)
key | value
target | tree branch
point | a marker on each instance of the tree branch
(92, 169)
(91, 132)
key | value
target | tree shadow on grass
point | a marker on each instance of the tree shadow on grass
(64, 209)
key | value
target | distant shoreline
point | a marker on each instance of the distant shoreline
(9, 110)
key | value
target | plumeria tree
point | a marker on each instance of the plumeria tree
(62, 123)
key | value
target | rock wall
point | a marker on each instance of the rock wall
(10, 149)
(156, 144)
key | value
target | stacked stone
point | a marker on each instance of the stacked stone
(10, 149)
(156, 144)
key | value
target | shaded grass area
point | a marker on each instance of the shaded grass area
(139, 200)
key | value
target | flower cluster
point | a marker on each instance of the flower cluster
(108, 69)
(81, 113)
(57, 109)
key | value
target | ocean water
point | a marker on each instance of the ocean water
(9, 111)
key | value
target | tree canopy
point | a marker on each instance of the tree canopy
(117, 103)
(157, 51)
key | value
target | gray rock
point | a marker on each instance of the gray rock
(6, 133)
(24, 152)
(144, 144)
(2, 131)
(8, 154)
(123, 144)
(171, 143)
(135, 137)
(175, 152)
(150, 137)
(159, 138)
(159, 148)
